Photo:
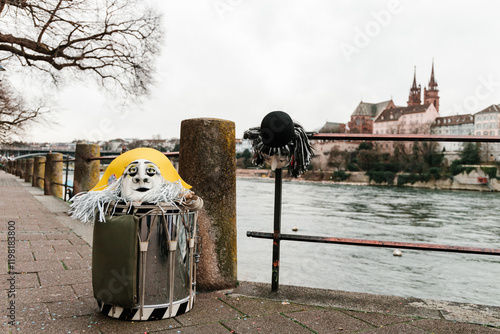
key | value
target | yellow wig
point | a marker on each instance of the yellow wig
(118, 165)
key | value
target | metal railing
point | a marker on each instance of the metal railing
(276, 236)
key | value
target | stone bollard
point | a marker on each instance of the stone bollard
(18, 167)
(38, 172)
(22, 164)
(87, 172)
(53, 175)
(208, 162)
(28, 171)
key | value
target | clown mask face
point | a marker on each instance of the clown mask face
(140, 177)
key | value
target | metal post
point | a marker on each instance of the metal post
(275, 276)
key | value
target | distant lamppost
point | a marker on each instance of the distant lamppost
(2, 72)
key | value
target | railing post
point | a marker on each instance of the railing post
(275, 274)
(28, 171)
(87, 172)
(53, 175)
(39, 172)
(207, 161)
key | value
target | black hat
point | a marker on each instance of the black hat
(277, 129)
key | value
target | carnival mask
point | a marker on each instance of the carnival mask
(140, 177)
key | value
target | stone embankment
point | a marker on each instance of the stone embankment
(464, 181)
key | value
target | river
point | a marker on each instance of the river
(378, 213)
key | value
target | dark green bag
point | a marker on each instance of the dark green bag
(114, 260)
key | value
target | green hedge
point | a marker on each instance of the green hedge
(340, 175)
(382, 177)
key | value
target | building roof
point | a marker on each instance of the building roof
(393, 114)
(331, 127)
(370, 109)
(453, 120)
(492, 108)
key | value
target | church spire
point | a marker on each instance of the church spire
(432, 83)
(414, 78)
(415, 92)
(431, 93)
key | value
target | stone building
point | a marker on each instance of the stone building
(457, 125)
(332, 127)
(487, 123)
(365, 113)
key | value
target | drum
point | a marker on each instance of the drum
(144, 261)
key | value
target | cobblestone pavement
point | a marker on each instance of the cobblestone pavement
(48, 289)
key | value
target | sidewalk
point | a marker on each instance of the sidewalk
(53, 290)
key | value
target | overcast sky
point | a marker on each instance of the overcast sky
(315, 59)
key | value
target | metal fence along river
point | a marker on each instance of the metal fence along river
(468, 219)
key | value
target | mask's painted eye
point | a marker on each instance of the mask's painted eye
(151, 171)
(132, 171)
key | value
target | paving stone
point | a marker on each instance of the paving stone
(208, 308)
(266, 324)
(21, 281)
(54, 242)
(215, 328)
(71, 308)
(111, 325)
(32, 313)
(398, 329)
(378, 319)
(30, 236)
(83, 289)
(37, 266)
(328, 321)
(78, 264)
(253, 306)
(66, 277)
(72, 248)
(44, 294)
(449, 327)
(77, 325)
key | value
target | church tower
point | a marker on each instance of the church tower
(415, 92)
(431, 95)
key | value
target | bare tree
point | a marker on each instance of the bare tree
(114, 41)
(15, 114)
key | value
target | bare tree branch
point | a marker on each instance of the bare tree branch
(14, 114)
(113, 41)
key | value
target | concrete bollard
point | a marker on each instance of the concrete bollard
(38, 172)
(53, 175)
(28, 170)
(208, 162)
(87, 172)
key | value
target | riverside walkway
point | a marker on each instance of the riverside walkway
(51, 278)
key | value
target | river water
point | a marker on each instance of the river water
(377, 213)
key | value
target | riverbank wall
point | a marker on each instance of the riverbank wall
(472, 181)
